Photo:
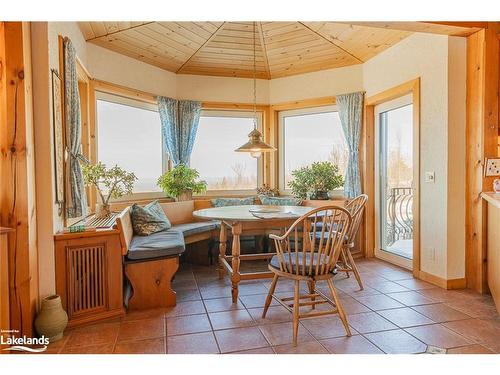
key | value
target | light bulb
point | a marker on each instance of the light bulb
(256, 154)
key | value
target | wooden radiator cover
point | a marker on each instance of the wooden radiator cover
(89, 275)
(86, 280)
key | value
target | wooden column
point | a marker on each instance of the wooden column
(482, 139)
(17, 207)
(4, 285)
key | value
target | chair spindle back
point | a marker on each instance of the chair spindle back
(324, 230)
(355, 208)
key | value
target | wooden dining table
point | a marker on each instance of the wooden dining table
(247, 220)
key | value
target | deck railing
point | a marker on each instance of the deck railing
(399, 214)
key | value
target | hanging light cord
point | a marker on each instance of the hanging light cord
(254, 82)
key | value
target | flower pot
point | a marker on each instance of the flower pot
(52, 319)
(102, 210)
(185, 196)
(319, 195)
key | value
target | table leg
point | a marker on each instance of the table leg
(235, 261)
(222, 248)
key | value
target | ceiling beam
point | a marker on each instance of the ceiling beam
(331, 42)
(442, 28)
(120, 30)
(466, 24)
(264, 51)
(203, 45)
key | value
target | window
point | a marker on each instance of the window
(129, 135)
(310, 135)
(219, 134)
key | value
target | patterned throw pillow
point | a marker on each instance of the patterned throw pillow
(155, 207)
(279, 201)
(224, 202)
(145, 221)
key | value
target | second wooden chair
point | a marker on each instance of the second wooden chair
(346, 261)
(323, 232)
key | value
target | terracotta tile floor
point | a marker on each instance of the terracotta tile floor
(394, 314)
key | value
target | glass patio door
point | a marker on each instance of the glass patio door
(395, 181)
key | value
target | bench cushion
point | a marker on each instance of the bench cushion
(190, 229)
(157, 245)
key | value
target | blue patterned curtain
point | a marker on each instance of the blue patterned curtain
(76, 201)
(179, 122)
(168, 109)
(351, 111)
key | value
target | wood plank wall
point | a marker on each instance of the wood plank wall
(17, 207)
(482, 141)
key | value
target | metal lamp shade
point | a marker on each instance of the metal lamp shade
(255, 144)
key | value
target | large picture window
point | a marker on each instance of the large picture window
(219, 134)
(129, 135)
(310, 135)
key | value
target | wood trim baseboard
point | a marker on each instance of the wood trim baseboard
(442, 283)
(456, 283)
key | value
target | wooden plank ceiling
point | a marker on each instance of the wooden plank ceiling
(226, 48)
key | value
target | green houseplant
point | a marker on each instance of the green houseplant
(181, 182)
(315, 180)
(268, 191)
(115, 181)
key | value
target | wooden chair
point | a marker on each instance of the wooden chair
(346, 262)
(310, 260)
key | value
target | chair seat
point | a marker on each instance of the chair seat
(275, 263)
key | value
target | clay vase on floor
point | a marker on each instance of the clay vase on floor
(52, 319)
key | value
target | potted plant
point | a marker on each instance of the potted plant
(267, 191)
(181, 182)
(316, 180)
(115, 182)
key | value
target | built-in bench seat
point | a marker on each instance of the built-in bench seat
(151, 262)
(190, 229)
(162, 244)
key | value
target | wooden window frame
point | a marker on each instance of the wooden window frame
(274, 130)
(130, 93)
(260, 161)
(139, 104)
(281, 139)
(107, 88)
(387, 106)
(367, 147)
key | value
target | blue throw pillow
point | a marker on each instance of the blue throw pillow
(145, 221)
(279, 201)
(224, 202)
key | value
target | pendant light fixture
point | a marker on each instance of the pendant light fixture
(255, 145)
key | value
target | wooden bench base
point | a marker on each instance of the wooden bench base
(151, 283)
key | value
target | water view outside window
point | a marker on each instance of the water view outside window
(130, 137)
(308, 138)
(214, 156)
